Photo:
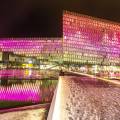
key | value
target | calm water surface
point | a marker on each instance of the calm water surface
(26, 87)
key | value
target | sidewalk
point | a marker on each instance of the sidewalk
(115, 82)
(79, 96)
(47, 105)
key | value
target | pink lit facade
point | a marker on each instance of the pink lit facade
(35, 47)
(86, 40)
(22, 93)
(90, 41)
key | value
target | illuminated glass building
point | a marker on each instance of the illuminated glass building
(87, 43)
(45, 49)
(88, 40)
(31, 46)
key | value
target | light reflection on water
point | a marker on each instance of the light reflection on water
(33, 90)
(27, 73)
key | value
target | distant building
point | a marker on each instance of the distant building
(89, 40)
(86, 40)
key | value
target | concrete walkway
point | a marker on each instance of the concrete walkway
(115, 82)
(86, 97)
(38, 106)
(33, 112)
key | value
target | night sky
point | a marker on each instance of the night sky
(43, 18)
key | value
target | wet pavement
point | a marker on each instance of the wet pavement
(85, 98)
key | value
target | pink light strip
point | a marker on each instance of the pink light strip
(17, 73)
(23, 46)
(26, 92)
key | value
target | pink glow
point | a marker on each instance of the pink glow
(26, 92)
(31, 47)
(95, 38)
(21, 74)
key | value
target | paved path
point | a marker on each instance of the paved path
(38, 106)
(35, 114)
(86, 98)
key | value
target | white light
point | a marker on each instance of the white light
(30, 61)
(57, 110)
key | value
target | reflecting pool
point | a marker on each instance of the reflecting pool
(26, 87)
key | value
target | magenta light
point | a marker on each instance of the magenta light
(25, 92)
(31, 47)
(85, 39)
(17, 73)
(92, 37)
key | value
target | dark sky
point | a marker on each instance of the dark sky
(43, 18)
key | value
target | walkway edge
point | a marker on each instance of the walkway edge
(38, 106)
(99, 78)
(52, 107)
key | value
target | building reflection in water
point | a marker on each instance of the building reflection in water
(27, 74)
(32, 90)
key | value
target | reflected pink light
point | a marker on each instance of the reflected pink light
(11, 73)
(26, 92)
(31, 46)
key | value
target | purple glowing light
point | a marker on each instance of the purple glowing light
(31, 47)
(94, 38)
(25, 93)
(20, 74)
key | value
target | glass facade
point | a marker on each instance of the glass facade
(90, 41)
(31, 46)
(86, 40)
(29, 67)
(40, 48)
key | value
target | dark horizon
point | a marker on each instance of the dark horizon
(28, 18)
